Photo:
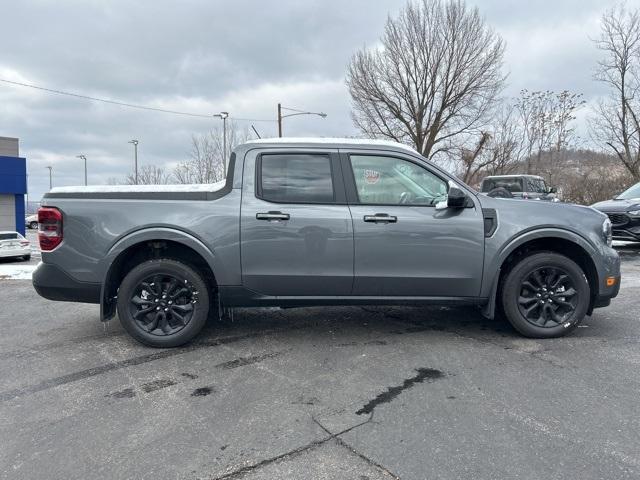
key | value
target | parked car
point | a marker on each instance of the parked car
(31, 221)
(518, 186)
(14, 245)
(303, 222)
(624, 213)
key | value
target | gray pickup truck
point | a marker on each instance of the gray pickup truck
(303, 222)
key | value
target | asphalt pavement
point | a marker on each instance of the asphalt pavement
(320, 393)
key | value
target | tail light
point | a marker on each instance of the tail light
(24, 243)
(49, 228)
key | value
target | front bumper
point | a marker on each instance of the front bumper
(14, 252)
(53, 283)
(608, 270)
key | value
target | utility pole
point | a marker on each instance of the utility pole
(223, 116)
(50, 178)
(85, 167)
(296, 112)
(135, 154)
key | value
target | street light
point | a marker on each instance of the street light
(85, 167)
(297, 112)
(135, 153)
(223, 116)
(50, 178)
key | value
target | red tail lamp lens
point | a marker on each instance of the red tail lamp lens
(49, 228)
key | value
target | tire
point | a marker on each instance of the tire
(33, 225)
(26, 258)
(153, 319)
(548, 308)
(500, 192)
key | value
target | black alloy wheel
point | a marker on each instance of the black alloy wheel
(163, 304)
(544, 295)
(548, 297)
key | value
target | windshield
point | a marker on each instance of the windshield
(633, 192)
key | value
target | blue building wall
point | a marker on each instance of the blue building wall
(13, 180)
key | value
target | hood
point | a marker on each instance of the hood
(538, 212)
(618, 205)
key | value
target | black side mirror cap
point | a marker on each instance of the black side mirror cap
(456, 198)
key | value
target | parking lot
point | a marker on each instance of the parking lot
(358, 393)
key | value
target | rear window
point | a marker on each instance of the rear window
(295, 178)
(514, 185)
(8, 236)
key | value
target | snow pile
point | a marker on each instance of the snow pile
(9, 271)
(205, 187)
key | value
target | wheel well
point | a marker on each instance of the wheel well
(557, 245)
(148, 250)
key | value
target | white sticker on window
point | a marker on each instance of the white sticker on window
(371, 176)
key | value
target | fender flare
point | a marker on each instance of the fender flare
(488, 310)
(146, 235)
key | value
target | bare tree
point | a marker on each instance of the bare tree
(435, 80)
(205, 163)
(546, 119)
(617, 120)
(149, 175)
(499, 150)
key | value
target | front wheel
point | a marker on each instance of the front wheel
(545, 295)
(163, 303)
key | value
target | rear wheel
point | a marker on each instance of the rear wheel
(33, 225)
(163, 303)
(545, 295)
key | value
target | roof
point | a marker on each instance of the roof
(336, 142)
(514, 176)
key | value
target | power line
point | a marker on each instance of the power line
(123, 104)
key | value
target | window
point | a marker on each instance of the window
(392, 181)
(536, 185)
(514, 185)
(9, 236)
(295, 178)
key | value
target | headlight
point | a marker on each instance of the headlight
(606, 232)
(634, 213)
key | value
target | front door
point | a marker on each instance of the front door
(403, 245)
(296, 230)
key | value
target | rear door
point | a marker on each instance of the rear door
(403, 245)
(296, 229)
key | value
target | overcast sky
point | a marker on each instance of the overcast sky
(241, 56)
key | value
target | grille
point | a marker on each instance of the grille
(618, 219)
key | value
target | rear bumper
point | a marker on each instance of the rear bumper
(53, 283)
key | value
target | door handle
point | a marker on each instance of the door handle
(272, 216)
(380, 218)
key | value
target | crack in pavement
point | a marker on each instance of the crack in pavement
(424, 374)
(240, 472)
(344, 444)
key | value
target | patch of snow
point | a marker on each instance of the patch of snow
(16, 271)
(204, 187)
(321, 140)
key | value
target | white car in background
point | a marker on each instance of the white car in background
(31, 222)
(12, 244)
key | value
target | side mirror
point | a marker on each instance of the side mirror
(552, 190)
(456, 198)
